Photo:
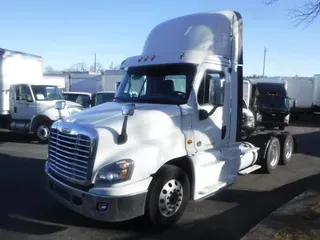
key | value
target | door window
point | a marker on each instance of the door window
(204, 89)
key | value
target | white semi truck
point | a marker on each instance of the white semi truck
(26, 103)
(174, 133)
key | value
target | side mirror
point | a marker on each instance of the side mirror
(128, 109)
(216, 87)
(29, 98)
(60, 105)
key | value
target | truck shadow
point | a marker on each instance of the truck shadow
(27, 208)
(308, 143)
(16, 137)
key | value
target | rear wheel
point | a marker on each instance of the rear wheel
(287, 147)
(168, 196)
(271, 160)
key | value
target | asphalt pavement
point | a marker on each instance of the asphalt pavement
(28, 212)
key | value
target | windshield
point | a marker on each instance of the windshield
(272, 95)
(165, 84)
(82, 99)
(46, 93)
(104, 97)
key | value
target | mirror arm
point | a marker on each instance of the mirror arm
(123, 137)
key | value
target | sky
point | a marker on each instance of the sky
(65, 32)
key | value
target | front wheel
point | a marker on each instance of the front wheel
(42, 133)
(168, 196)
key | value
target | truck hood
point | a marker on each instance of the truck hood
(110, 115)
(47, 108)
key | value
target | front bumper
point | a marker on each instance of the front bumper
(85, 203)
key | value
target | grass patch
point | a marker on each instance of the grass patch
(293, 234)
(306, 226)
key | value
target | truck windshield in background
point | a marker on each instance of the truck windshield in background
(82, 99)
(272, 95)
(46, 93)
(163, 84)
(103, 97)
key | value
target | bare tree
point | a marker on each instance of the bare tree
(49, 69)
(306, 13)
(98, 68)
(79, 67)
(114, 67)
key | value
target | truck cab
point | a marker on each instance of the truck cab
(32, 109)
(172, 134)
(82, 98)
(267, 98)
(102, 97)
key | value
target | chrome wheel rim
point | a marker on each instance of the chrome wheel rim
(170, 198)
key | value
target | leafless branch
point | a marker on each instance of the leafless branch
(270, 2)
(305, 14)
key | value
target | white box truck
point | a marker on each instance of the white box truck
(26, 104)
(173, 134)
(268, 100)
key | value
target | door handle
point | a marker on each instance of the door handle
(223, 132)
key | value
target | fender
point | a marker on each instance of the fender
(38, 118)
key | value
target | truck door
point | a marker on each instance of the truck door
(211, 124)
(22, 103)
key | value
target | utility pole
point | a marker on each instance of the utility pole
(264, 60)
(95, 62)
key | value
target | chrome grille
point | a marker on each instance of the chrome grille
(69, 155)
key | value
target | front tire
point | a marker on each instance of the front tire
(42, 133)
(168, 196)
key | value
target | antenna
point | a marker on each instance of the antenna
(264, 60)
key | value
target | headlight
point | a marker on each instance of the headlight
(116, 172)
(259, 117)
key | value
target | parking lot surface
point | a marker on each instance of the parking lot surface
(28, 212)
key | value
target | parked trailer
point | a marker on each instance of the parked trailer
(111, 79)
(88, 82)
(316, 93)
(303, 92)
(58, 79)
(26, 104)
(154, 147)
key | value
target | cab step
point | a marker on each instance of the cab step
(212, 188)
(249, 169)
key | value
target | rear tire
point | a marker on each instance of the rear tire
(271, 160)
(168, 196)
(287, 147)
